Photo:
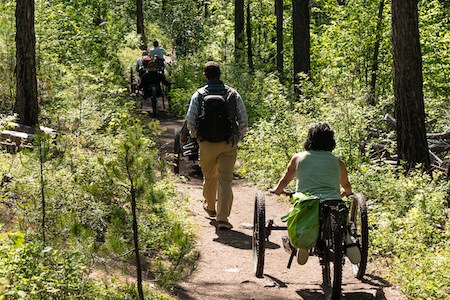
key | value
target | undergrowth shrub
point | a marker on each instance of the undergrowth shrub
(269, 146)
(33, 271)
(408, 217)
(168, 235)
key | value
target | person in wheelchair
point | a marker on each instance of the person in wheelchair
(152, 78)
(318, 172)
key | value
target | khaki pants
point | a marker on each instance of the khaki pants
(217, 163)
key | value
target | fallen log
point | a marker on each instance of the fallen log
(14, 136)
(439, 136)
(439, 147)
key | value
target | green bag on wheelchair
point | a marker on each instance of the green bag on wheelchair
(303, 221)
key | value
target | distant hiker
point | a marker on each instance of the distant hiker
(157, 54)
(218, 120)
(139, 62)
(152, 78)
(157, 50)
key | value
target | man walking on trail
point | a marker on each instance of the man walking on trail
(218, 120)
(157, 51)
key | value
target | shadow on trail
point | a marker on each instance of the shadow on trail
(234, 239)
(365, 296)
(239, 240)
(182, 293)
(312, 294)
(317, 293)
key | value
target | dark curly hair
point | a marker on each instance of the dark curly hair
(320, 137)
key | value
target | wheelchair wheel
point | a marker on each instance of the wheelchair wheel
(359, 229)
(259, 234)
(333, 255)
(176, 152)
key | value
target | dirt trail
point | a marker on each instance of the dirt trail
(225, 268)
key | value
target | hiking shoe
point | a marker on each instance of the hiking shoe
(302, 256)
(286, 244)
(211, 213)
(224, 225)
(352, 250)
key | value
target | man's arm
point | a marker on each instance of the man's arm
(241, 115)
(192, 115)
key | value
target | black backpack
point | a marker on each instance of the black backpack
(217, 115)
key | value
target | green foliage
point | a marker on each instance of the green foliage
(31, 271)
(133, 165)
(424, 277)
(85, 50)
(409, 224)
(435, 36)
(166, 231)
(187, 77)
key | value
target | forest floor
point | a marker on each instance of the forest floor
(225, 268)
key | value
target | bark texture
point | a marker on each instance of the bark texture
(26, 105)
(408, 84)
(301, 39)
(239, 30)
(279, 17)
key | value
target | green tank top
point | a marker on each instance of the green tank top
(318, 173)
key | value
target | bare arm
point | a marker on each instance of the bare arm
(346, 188)
(288, 175)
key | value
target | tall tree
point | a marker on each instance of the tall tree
(279, 29)
(412, 143)
(249, 39)
(26, 105)
(301, 40)
(238, 30)
(376, 50)
(140, 23)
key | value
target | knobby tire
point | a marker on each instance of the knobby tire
(259, 235)
(358, 220)
(333, 255)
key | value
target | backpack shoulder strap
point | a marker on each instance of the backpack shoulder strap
(230, 97)
(203, 91)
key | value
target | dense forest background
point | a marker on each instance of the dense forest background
(65, 206)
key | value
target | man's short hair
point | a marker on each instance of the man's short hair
(155, 44)
(212, 70)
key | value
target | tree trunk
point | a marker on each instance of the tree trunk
(136, 244)
(301, 40)
(249, 39)
(140, 24)
(376, 50)
(26, 105)
(206, 7)
(412, 143)
(279, 16)
(238, 30)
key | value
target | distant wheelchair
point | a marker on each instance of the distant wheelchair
(188, 148)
